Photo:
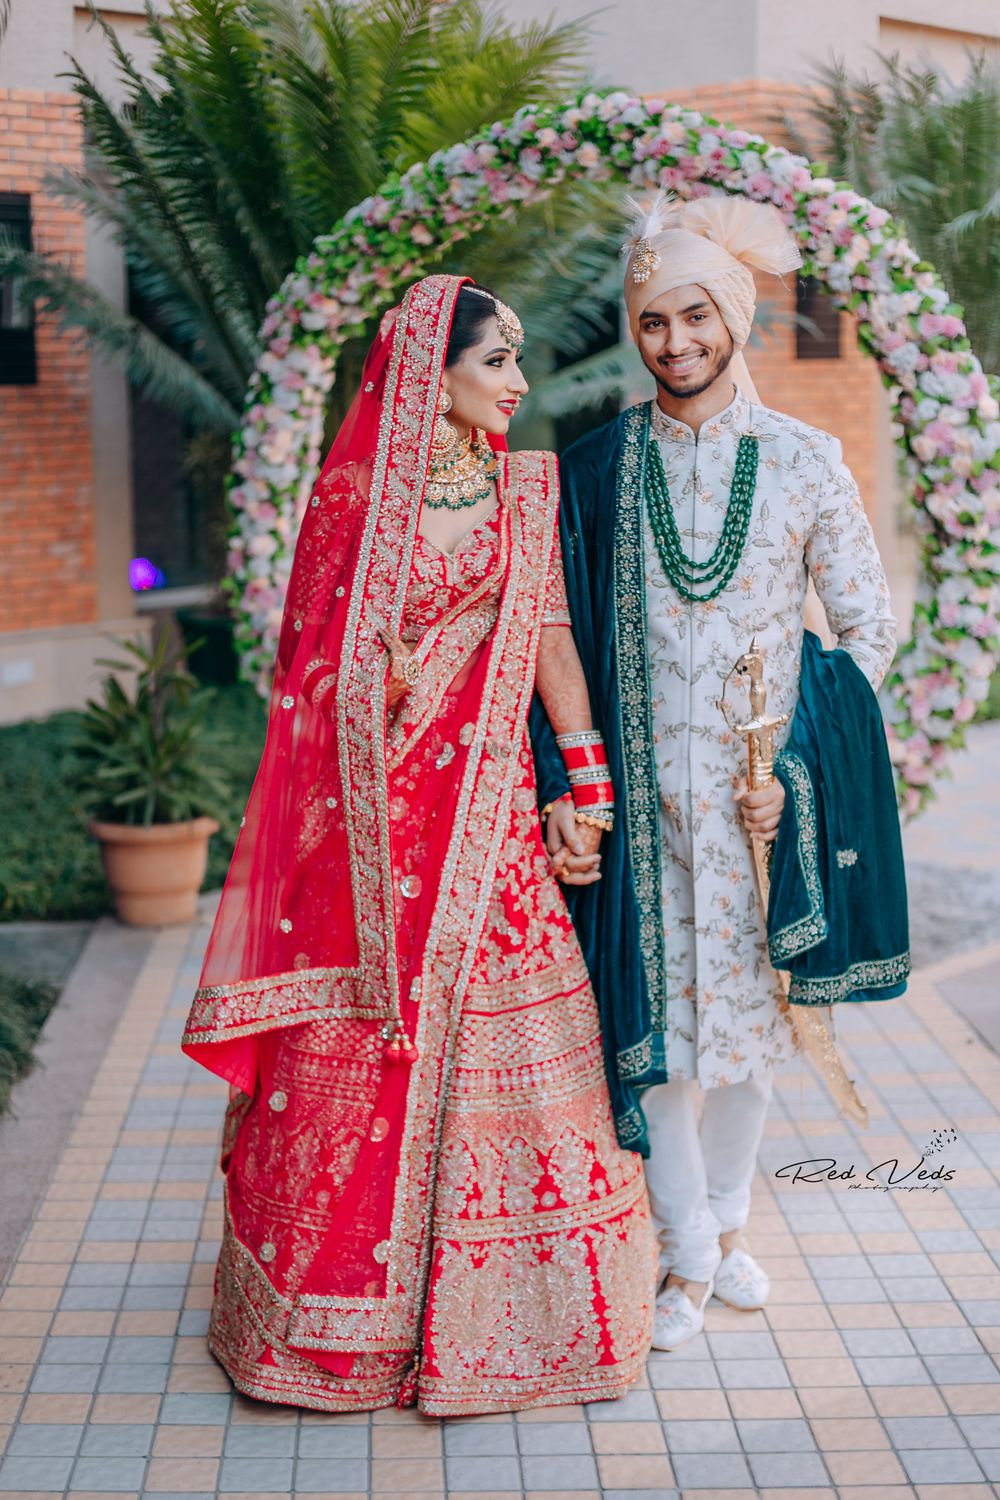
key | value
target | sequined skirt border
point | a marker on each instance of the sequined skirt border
(317, 1390)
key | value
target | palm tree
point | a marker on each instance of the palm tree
(929, 150)
(264, 122)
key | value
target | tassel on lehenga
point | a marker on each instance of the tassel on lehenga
(398, 1046)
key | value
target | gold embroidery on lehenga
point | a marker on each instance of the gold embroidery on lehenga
(508, 1167)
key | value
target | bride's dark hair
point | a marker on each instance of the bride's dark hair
(472, 312)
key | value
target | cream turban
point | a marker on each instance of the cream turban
(713, 243)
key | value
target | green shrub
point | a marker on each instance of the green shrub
(24, 1004)
(50, 868)
(138, 756)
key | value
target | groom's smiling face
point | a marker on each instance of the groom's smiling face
(684, 343)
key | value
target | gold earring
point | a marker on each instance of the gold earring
(444, 437)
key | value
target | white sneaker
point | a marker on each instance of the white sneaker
(677, 1318)
(741, 1283)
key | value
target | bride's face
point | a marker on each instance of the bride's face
(485, 384)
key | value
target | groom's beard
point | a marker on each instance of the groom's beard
(684, 393)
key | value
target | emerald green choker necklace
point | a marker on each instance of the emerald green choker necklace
(687, 576)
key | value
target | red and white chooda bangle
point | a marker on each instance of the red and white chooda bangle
(587, 771)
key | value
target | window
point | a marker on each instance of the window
(17, 314)
(817, 333)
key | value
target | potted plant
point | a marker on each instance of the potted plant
(142, 779)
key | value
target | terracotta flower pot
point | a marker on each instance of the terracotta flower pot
(155, 873)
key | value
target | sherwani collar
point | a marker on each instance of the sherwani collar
(733, 418)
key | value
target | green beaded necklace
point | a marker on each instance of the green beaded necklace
(686, 575)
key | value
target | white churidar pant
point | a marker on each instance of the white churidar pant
(699, 1180)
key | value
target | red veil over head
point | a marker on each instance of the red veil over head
(306, 923)
(358, 895)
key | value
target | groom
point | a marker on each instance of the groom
(691, 524)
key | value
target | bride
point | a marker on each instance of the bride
(425, 1199)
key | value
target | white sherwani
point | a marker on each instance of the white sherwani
(723, 1019)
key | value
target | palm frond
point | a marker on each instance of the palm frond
(149, 363)
(929, 149)
(613, 372)
(159, 277)
(214, 62)
(147, 190)
(486, 69)
(260, 124)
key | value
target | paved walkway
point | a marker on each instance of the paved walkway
(872, 1372)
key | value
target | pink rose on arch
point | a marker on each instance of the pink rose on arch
(673, 178)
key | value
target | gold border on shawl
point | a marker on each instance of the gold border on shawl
(404, 438)
(487, 796)
(314, 990)
(395, 1319)
(410, 1236)
(642, 818)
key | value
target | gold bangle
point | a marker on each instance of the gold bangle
(606, 824)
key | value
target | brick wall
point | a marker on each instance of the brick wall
(842, 396)
(47, 565)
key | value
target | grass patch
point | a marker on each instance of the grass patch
(50, 869)
(24, 1005)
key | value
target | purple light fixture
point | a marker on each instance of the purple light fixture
(143, 575)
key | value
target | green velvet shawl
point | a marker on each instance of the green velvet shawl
(837, 915)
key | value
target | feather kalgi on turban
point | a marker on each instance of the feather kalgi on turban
(715, 243)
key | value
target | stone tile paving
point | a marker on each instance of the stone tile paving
(872, 1372)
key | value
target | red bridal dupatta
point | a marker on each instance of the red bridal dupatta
(425, 1198)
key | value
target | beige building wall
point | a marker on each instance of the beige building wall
(43, 35)
(43, 669)
(661, 45)
(726, 55)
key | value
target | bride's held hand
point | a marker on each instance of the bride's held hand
(399, 680)
(573, 848)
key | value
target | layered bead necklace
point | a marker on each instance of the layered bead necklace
(698, 582)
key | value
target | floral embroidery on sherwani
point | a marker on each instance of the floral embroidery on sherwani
(724, 1023)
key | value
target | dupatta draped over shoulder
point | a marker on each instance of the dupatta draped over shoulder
(362, 907)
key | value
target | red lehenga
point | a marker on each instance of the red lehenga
(457, 1227)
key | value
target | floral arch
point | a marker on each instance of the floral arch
(945, 409)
